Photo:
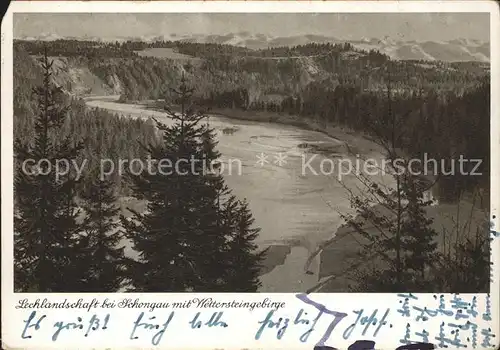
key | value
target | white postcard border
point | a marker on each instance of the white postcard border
(240, 336)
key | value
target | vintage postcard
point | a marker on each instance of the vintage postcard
(271, 175)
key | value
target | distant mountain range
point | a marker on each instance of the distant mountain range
(452, 50)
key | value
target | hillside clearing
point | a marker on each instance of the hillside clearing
(166, 53)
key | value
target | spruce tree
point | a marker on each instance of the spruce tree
(418, 238)
(391, 222)
(243, 261)
(103, 260)
(377, 227)
(46, 231)
(181, 239)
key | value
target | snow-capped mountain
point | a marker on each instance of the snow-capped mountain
(459, 49)
(453, 50)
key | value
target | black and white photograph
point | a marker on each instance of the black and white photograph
(251, 152)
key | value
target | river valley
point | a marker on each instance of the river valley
(292, 189)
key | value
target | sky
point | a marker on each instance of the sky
(403, 26)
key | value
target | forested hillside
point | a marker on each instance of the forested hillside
(421, 109)
(444, 107)
(105, 135)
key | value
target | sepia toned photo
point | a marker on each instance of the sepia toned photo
(251, 152)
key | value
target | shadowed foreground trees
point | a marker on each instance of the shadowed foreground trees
(46, 232)
(103, 263)
(194, 235)
(56, 249)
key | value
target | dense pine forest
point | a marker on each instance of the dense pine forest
(439, 109)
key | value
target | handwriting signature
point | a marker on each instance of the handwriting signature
(301, 319)
(93, 324)
(139, 324)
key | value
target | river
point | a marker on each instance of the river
(295, 209)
